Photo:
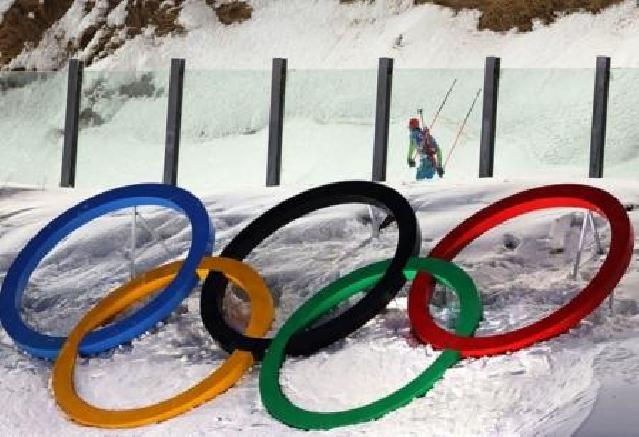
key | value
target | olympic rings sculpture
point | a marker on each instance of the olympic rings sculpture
(381, 281)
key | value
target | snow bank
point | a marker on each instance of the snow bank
(547, 389)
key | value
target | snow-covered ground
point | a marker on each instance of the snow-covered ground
(583, 381)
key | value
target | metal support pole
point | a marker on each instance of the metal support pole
(600, 251)
(70, 148)
(489, 117)
(580, 248)
(133, 240)
(595, 232)
(276, 122)
(382, 118)
(599, 117)
(155, 235)
(173, 122)
(149, 229)
(374, 222)
(588, 221)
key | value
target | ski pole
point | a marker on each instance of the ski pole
(461, 128)
(420, 111)
(432, 123)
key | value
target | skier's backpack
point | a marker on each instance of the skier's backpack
(427, 148)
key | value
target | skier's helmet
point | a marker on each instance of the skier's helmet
(413, 123)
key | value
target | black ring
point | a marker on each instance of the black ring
(313, 339)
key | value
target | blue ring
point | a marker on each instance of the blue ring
(45, 346)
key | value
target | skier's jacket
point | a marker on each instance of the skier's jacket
(425, 146)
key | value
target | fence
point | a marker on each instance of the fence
(382, 105)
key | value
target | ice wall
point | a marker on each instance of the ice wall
(543, 125)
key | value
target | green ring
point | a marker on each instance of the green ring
(278, 405)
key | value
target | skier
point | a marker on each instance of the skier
(423, 145)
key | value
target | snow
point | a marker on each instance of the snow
(575, 383)
(326, 34)
(117, 17)
(543, 121)
(584, 382)
(330, 35)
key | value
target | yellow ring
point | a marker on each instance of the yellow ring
(119, 300)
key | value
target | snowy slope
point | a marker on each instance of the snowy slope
(326, 34)
(548, 389)
(543, 122)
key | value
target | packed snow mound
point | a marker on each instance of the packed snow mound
(130, 35)
(521, 268)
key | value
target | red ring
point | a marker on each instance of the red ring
(553, 196)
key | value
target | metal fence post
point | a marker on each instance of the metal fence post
(70, 148)
(599, 117)
(489, 117)
(173, 122)
(382, 118)
(276, 122)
